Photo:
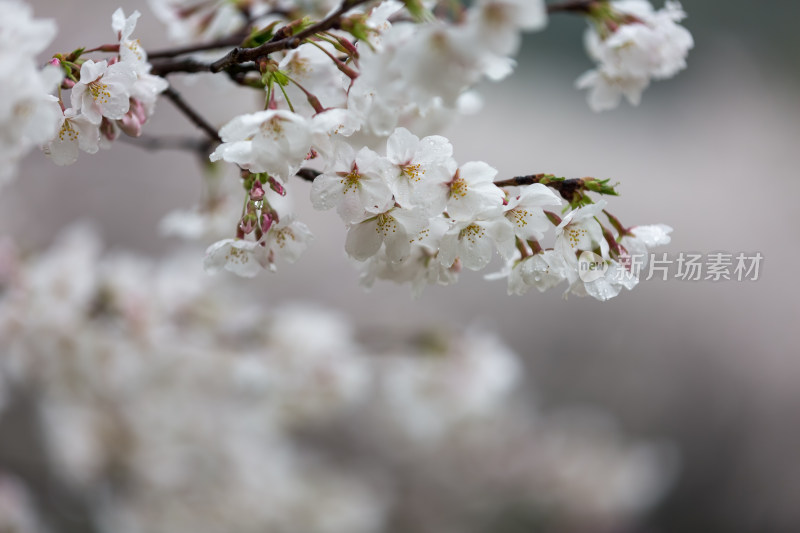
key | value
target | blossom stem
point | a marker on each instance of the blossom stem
(347, 71)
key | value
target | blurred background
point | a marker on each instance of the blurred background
(713, 367)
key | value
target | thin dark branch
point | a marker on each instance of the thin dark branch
(164, 68)
(225, 42)
(567, 188)
(307, 174)
(572, 6)
(191, 114)
(281, 42)
(151, 142)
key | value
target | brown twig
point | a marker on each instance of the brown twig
(566, 188)
(307, 174)
(280, 42)
(191, 114)
(225, 42)
(572, 6)
(151, 142)
(189, 66)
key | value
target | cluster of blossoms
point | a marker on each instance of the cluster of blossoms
(107, 97)
(167, 401)
(632, 44)
(354, 95)
(28, 111)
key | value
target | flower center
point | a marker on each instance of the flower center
(282, 236)
(237, 255)
(68, 133)
(519, 217)
(458, 188)
(575, 235)
(386, 224)
(351, 181)
(272, 128)
(413, 172)
(99, 91)
(472, 233)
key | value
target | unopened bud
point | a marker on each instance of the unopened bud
(108, 129)
(257, 191)
(276, 186)
(56, 62)
(131, 123)
(248, 223)
(266, 222)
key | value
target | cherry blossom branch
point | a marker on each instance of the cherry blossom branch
(190, 66)
(307, 174)
(232, 40)
(569, 189)
(191, 114)
(572, 6)
(152, 142)
(282, 42)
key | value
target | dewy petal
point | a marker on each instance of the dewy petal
(363, 240)
(63, 150)
(475, 247)
(240, 153)
(401, 146)
(244, 258)
(434, 148)
(289, 239)
(122, 25)
(471, 242)
(243, 127)
(502, 232)
(654, 235)
(326, 191)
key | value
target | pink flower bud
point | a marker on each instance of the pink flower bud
(266, 222)
(55, 62)
(108, 129)
(134, 119)
(67, 84)
(257, 191)
(247, 224)
(277, 187)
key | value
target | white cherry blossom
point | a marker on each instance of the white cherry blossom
(287, 239)
(473, 242)
(272, 141)
(651, 46)
(580, 231)
(76, 132)
(396, 228)
(147, 87)
(421, 168)
(526, 213)
(313, 69)
(472, 192)
(242, 257)
(497, 23)
(356, 184)
(103, 90)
